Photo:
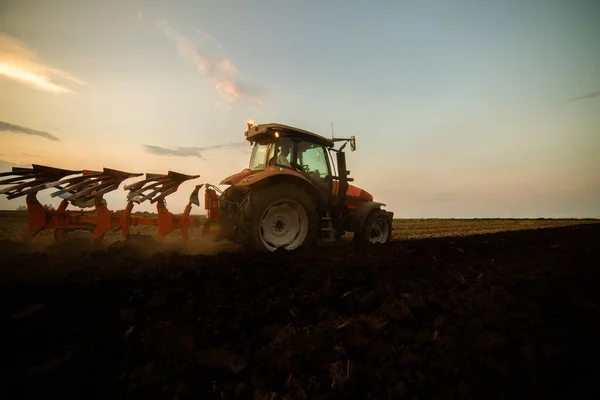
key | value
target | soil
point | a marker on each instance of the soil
(505, 315)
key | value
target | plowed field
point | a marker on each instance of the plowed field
(488, 316)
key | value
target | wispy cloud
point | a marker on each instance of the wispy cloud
(189, 151)
(586, 96)
(19, 63)
(220, 72)
(8, 127)
(33, 155)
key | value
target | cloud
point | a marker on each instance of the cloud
(138, 15)
(586, 96)
(189, 151)
(33, 155)
(19, 63)
(8, 127)
(219, 71)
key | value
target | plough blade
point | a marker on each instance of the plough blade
(92, 185)
(87, 189)
(160, 186)
(31, 180)
(195, 196)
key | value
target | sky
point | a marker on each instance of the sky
(462, 109)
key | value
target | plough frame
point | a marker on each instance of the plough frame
(87, 189)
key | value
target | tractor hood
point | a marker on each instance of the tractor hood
(355, 191)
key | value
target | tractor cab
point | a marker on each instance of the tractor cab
(283, 148)
(294, 153)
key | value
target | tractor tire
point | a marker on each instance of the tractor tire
(377, 229)
(278, 216)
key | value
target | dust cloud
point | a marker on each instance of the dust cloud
(142, 245)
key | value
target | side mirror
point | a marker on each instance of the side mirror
(352, 143)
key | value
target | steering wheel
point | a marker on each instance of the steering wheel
(298, 167)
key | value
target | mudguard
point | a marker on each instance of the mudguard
(362, 213)
(235, 178)
(278, 174)
(268, 173)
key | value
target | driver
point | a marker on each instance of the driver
(284, 151)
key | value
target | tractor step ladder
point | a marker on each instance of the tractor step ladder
(327, 231)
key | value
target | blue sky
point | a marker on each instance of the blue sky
(460, 109)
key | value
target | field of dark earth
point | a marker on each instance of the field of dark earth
(503, 315)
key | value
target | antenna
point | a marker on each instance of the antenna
(331, 129)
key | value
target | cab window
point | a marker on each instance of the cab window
(281, 153)
(257, 159)
(313, 159)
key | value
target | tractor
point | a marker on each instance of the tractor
(289, 197)
(292, 195)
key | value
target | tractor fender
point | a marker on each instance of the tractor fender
(275, 175)
(270, 172)
(362, 213)
(235, 178)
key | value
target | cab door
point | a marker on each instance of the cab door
(313, 160)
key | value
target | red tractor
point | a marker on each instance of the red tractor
(291, 196)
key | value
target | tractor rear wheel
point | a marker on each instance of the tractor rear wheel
(377, 229)
(278, 216)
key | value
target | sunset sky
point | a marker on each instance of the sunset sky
(460, 108)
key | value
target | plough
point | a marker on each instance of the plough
(87, 189)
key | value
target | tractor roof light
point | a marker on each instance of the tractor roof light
(277, 134)
(250, 123)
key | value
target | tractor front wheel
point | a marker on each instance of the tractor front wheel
(377, 229)
(280, 216)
